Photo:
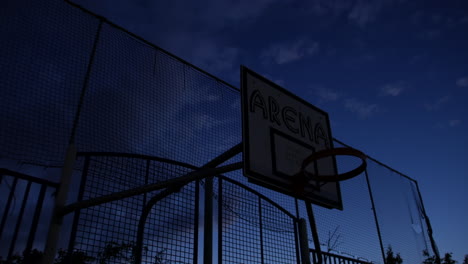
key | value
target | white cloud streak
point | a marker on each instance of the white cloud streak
(454, 122)
(282, 53)
(437, 104)
(392, 89)
(462, 82)
(363, 110)
(327, 95)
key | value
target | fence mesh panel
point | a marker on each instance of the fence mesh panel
(252, 229)
(139, 99)
(169, 229)
(399, 213)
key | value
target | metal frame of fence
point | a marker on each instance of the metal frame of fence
(19, 220)
(208, 184)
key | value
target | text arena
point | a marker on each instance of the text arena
(280, 130)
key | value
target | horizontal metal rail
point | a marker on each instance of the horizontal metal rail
(7, 172)
(334, 258)
(195, 175)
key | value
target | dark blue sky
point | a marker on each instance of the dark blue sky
(392, 74)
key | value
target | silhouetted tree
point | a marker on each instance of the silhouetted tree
(428, 258)
(390, 258)
(465, 260)
(448, 259)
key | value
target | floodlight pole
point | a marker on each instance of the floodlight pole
(313, 229)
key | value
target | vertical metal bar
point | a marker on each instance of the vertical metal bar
(261, 229)
(148, 164)
(195, 230)
(76, 217)
(86, 82)
(35, 221)
(313, 229)
(296, 204)
(429, 227)
(296, 241)
(19, 220)
(208, 227)
(304, 242)
(296, 234)
(220, 220)
(375, 216)
(67, 170)
(8, 205)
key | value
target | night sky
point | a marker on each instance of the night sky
(393, 75)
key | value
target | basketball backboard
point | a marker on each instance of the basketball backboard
(280, 130)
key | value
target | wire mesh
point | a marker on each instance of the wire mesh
(139, 99)
(253, 230)
(43, 60)
(399, 213)
(112, 227)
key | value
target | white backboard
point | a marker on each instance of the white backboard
(279, 131)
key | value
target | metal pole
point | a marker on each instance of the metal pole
(62, 193)
(220, 220)
(67, 170)
(141, 223)
(208, 226)
(195, 223)
(375, 217)
(76, 217)
(261, 229)
(429, 227)
(313, 228)
(304, 241)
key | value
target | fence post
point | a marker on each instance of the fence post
(313, 229)
(60, 199)
(304, 241)
(208, 227)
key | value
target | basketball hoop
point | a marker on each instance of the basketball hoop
(334, 152)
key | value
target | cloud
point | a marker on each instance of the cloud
(392, 89)
(327, 95)
(454, 122)
(214, 57)
(363, 110)
(206, 52)
(437, 104)
(359, 12)
(462, 82)
(281, 53)
(364, 12)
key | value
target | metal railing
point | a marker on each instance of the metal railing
(30, 190)
(330, 258)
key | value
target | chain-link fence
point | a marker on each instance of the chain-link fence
(71, 76)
